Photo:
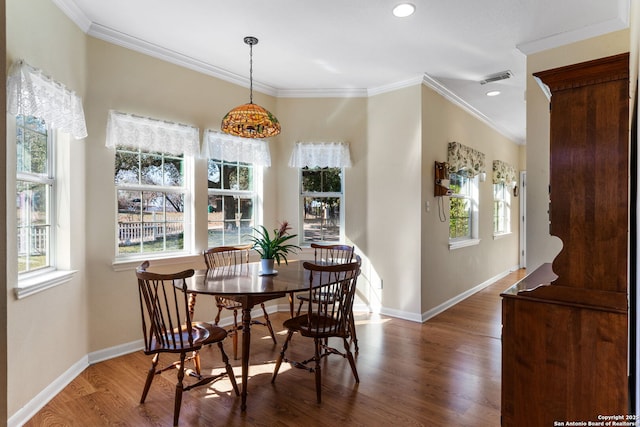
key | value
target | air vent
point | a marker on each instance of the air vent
(503, 75)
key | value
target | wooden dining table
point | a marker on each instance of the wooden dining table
(245, 284)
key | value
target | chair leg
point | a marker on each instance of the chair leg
(192, 304)
(318, 369)
(281, 355)
(354, 337)
(268, 323)
(352, 362)
(179, 388)
(196, 362)
(150, 375)
(232, 377)
(299, 308)
(235, 334)
(291, 304)
(217, 319)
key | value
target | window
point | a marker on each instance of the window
(501, 209)
(35, 186)
(154, 182)
(152, 201)
(232, 201)
(321, 198)
(463, 209)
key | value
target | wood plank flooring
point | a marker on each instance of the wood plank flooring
(444, 372)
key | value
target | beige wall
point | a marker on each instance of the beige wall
(448, 273)
(393, 200)
(541, 246)
(51, 328)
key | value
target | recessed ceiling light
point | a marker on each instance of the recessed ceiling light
(403, 10)
(493, 93)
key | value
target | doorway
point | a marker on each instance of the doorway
(523, 218)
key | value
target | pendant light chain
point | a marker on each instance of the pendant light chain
(251, 73)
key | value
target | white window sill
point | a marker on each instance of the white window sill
(165, 259)
(40, 282)
(501, 235)
(457, 244)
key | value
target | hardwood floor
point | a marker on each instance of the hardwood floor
(444, 372)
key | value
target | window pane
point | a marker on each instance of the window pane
(230, 219)
(151, 169)
(321, 219)
(32, 146)
(230, 177)
(213, 174)
(230, 206)
(150, 221)
(311, 180)
(460, 216)
(127, 168)
(459, 184)
(325, 180)
(173, 172)
(33, 232)
(244, 177)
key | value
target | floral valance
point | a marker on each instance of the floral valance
(465, 160)
(31, 93)
(151, 134)
(503, 172)
(320, 155)
(222, 146)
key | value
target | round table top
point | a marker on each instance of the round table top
(246, 279)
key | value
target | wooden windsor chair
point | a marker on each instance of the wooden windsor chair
(167, 327)
(331, 318)
(331, 253)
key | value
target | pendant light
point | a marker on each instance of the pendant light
(250, 120)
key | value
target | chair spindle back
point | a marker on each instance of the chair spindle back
(329, 308)
(224, 256)
(166, 322)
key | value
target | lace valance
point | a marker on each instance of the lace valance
(229, 148)
(31, 93)
(320, 155)
(465, 160)
(151, 134)
(503, 172)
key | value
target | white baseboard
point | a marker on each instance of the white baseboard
(453, 301)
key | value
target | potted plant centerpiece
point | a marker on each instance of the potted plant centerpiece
(273, 248)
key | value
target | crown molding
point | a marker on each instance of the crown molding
(556, 40)
(413, 81)
(322, 93)
(71, 9)
(115, 37)
(455, 99)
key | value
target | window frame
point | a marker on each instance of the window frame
(187, 189)
(473, 222)
(255, 195)
(505, 201)
(321, 194)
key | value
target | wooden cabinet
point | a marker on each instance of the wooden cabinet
(565, 333)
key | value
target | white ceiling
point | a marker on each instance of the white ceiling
(357, 47)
